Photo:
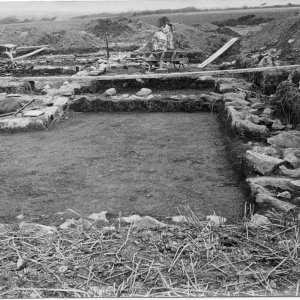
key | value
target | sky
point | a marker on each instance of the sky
(69, 8)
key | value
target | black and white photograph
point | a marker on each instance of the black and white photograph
(149, 148)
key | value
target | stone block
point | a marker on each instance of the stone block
(272, 151)
(81, 104)
(259, 221)
(20, 123)
(234, 96)
(37, 229)
(110, 92)
(285, 195)
(287, 139)
(285, 206)
(51, 113)
(226, 88)
(258, 105)
(248, 128)
(147, 222)
(271, 182)
(144, 92)
(295, 185)
(292, 156)
(60, 101)
(295, 173)
(237, 103)
(261, 163)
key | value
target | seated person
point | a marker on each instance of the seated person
(163, 38)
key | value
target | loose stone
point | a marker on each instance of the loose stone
(285, 195)
(144, 92)
(259, 221)
(110, 92)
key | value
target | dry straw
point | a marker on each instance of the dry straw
(194, 259)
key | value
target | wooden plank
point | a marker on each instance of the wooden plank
(30, 54)
(154, 75)
(31, 47)
(3, 29)
(218, 53)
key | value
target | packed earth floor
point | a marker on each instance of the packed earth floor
(144, 163)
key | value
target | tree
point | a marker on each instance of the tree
(48, 18)
(9, 20)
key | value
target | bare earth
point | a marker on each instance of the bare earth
(148, 163)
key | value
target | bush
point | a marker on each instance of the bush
(9, 20)
(48, 19)
(288, 101)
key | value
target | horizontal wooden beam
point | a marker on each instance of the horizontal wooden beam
(155, 75)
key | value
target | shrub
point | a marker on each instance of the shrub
(288, 101)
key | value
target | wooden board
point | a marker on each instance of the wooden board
(30, 54)
(153, 75)
(3, 29)
(31, 47)
(218, 53)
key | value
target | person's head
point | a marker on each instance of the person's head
(163, 21)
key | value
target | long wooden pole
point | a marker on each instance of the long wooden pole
(154, 75)
(23, 107)
(107, 52)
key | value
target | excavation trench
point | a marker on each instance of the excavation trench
(129, 162)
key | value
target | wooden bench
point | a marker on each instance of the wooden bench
(9, 50)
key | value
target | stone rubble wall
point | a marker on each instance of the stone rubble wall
(272, 163)
(54, 98)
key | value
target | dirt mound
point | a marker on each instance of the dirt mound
(191, 38)
(61, 35)
(124, 34)
(282, 36)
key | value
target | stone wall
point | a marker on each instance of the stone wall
(272, 161)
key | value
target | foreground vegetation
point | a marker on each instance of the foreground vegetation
(198, 258)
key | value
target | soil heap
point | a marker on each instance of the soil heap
(123, 34)
(280, 37)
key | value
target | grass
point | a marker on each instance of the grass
(219, 16)
(194, 259)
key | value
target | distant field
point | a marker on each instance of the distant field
(213, 16)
